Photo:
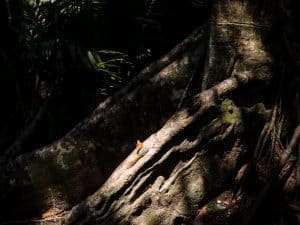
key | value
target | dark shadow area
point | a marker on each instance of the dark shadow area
(141, 31)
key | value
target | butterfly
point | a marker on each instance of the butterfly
(50, 213)
(139, 146)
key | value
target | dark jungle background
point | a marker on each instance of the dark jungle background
(69, 55)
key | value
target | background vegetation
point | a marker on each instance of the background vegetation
(66, 56)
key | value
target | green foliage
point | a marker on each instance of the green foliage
(46, 32)
(60, 36)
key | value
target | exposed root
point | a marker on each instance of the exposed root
(167, 184)
(127, 181)
(239, 208)
(55, 219)
(293, 143)
(267, 133)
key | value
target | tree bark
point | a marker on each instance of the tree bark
(192, 112)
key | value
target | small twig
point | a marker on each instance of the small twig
(185, 91)
(274, 137)
(265, 135)
(232, 62)
(260, 140)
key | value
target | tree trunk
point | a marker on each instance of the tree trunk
(192, 112)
